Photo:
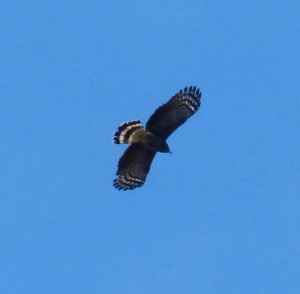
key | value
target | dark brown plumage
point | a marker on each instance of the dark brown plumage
(135, 163)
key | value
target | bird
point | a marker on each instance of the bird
(146, 141)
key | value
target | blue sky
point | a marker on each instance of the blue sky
(219, 215)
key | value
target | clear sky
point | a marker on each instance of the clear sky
(219, 215)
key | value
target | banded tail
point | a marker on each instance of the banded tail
(127, 132)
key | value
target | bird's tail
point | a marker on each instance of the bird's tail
(129, 132)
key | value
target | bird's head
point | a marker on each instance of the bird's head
(165, 148)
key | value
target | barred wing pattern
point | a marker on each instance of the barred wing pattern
(168, 117)
(133, 167)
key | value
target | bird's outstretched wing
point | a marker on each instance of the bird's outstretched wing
(168, 117)
(133, 167)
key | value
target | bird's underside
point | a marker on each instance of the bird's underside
(135, 163)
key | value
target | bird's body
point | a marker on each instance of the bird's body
(134, 132)
(155, 143)
(135, 163)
